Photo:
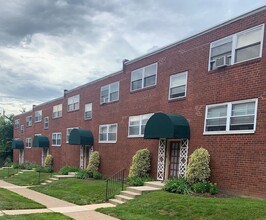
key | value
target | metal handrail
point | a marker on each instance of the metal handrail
(114, 184)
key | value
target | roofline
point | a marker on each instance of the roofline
(205, 31)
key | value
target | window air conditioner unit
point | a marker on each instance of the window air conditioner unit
(221, 62)
(105, 100)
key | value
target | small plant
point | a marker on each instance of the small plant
(213, 188)
(82, 174)
(198, 167)
(201, 187)
(94, 162)
(97, 175)
(138, 181)
(64, 170)
(178, 185)
(141, 164)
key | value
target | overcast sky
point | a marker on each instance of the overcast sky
(47, 46)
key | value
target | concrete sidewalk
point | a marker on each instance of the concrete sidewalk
(56, 205)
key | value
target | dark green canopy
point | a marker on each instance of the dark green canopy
(40, 141)
(17, 144)
(171, 126)
(81, 137)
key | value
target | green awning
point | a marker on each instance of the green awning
(81, 137)
(40, 141)
(170, 126)
(17, 144)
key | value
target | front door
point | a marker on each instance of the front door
(44, 155)
(21, 156)
(174, 159)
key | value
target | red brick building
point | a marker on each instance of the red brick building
(210, 90)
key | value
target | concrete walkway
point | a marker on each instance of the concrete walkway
(56, 205)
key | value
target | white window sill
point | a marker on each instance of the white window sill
(56, 145)
(135, 136)
(107, 142)
(38, 121)
(28, 147)
(228, 132)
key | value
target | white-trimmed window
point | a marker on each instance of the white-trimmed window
(46, 122)
(231, 117)
(28, 142)
(178, 86)
(108, 133)
(239, 47)
(56, 139)
(57, 111)
(110, 93)
(29, 121)
(88, 111)
(73, 103)
(136, 125)
(68, 133)
(38, 116)
(22, 129)
(17, 123)
(144, 77)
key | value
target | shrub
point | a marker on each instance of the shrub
(64, 170)
(201, 187)
(97, 175)
(138, 181)
(177, 185)
(198, 167)
(49, 160)
(82, 174)
(15, 165)
(141, 164)
(213, 188)
(94, 162)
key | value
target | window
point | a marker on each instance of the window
(68, 133)
(38, 116)
(17, 123)
(231, 117)
(236, 48)
(110, 93)
(46, 122)
(108, 133)
(178, 86)
(136, 125)
(73, 103)
(28, 142)
(29, 121)
(56, 139)
(22, 129)
(88, 111)
(144, 77)
(57, 111)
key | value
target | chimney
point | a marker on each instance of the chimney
(124, 64)
(33, 106)
(65, 91)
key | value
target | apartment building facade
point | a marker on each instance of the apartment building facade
(207, 90)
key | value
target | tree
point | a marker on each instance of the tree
(6, 136)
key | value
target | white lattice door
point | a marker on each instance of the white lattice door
(21, 156)
(81, 156)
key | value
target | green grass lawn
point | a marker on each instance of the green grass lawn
(10, 200)
(78, 191)
(162, 205)
(4, 172)
(43, 216)
(28, 178)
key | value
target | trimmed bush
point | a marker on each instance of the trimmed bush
(198, 167)
(141, 164)
(177, 185)
(94, 162)
(201, 187)
(82, 174)
(64, 170)
(213, 188)
(138, 181)
(97, 175)
(49, 160)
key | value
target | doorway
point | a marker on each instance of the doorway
(174, 159)
(21, 156)
(45, 152)
(84, 156)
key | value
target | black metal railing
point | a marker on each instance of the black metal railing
(115, 184)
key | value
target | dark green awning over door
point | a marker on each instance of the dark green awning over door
(17, 144)
(40, 141)
(170, 126)
(81, 137)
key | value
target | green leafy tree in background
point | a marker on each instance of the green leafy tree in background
(6, 135)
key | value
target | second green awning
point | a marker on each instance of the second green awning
(40, 141)
(17, 144)
(81, 137)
